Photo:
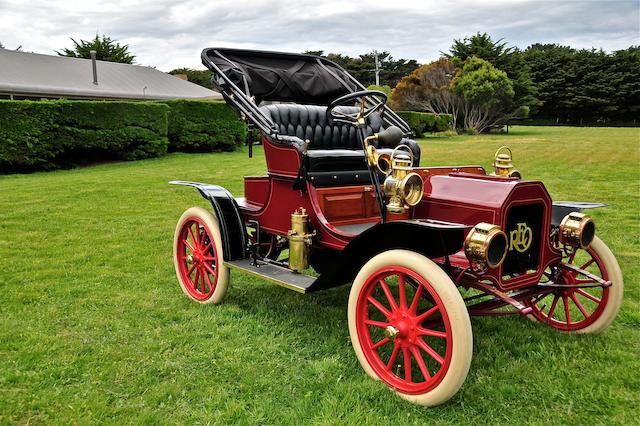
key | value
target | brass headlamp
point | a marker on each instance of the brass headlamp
(503, 164)
(402, 186)
(576, 230)
(485, 246)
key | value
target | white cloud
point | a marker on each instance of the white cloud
(169, 34)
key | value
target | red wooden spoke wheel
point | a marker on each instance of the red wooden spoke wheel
(583, 310)
(409, 326)
(197, 257)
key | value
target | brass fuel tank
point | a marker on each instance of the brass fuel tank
(299, 240)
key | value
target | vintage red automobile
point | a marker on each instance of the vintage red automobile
(344, 194)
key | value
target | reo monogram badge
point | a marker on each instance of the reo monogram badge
(520, 238)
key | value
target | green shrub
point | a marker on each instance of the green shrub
(49, 134)
(204, 126)
(25, 135)
(385, 88)
(423, 122)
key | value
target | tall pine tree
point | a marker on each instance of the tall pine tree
(507, 59)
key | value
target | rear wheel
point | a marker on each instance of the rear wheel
(410, 327)
(197, 256)
(587, 310)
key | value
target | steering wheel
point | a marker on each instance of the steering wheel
(335, 115)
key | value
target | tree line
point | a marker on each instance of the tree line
(483, 83)
(576, 86)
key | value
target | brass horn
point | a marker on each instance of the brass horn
(381, 161)
(391, 136)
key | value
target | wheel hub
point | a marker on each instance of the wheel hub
(403, 329)
(196, 258)
(567, 278)
(391, 332)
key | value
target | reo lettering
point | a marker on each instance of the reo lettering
(520, 238)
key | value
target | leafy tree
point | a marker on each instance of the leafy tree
(428, 88)
(1, 45)
(508, 59)
(106, 50)
(199, 77)
(477, 94)
(487, 93)
(362, 67)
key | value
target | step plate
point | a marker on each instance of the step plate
(276, 274)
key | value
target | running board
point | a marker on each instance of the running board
(276, 274)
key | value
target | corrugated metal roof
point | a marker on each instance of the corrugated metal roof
(32, 74)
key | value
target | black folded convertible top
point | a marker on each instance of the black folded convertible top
(275, 76)
(245, 78)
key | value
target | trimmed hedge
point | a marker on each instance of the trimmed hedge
(423, 122)
(37, 135)
(43, 135)
(204, 126)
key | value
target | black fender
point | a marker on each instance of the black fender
(430, 238)
(562, 208)
(232, 229)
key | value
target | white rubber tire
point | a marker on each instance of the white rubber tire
(456, 311)
(616, 291)
(223, 271)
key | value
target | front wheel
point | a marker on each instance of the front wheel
(197, 256)
(588, 310)
(410, 327)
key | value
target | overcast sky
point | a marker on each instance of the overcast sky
(169, 34)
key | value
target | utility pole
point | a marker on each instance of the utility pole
(377, 69)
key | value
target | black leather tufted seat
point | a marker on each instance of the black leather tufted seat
(332, 148)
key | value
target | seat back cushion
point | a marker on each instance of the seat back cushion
(310, 122)
(335, 157)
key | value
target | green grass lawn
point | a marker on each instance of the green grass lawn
(94, 328)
